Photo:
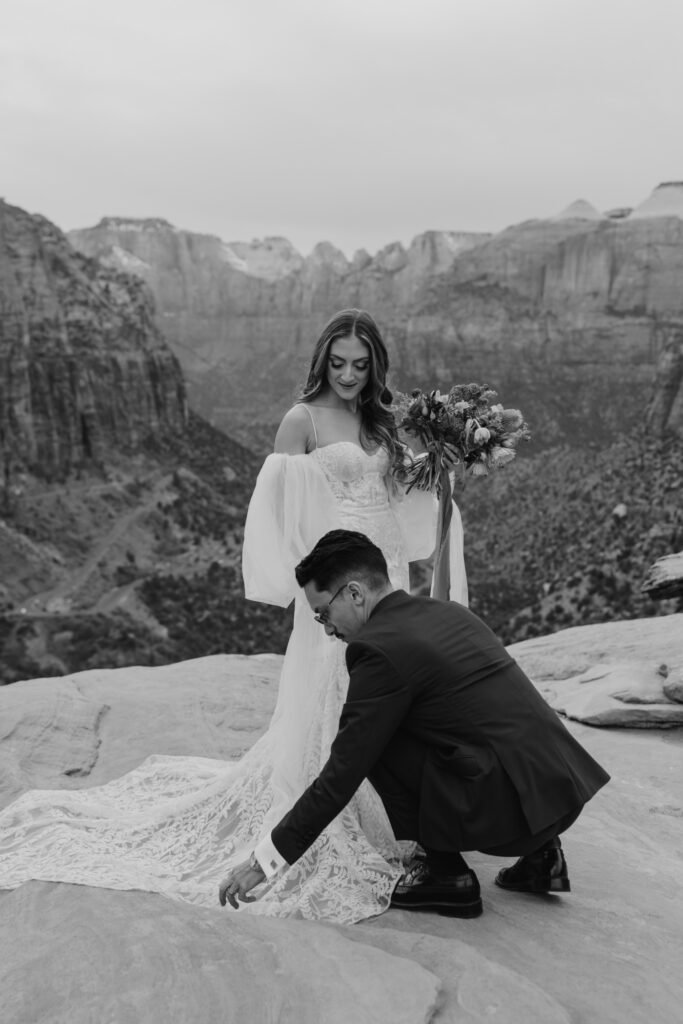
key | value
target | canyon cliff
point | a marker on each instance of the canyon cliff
(84, 370)
(578, 318)
(242, 317)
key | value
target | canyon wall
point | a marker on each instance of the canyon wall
(242, 317)
(84, 370)
(577, 319)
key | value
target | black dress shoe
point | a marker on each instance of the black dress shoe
(543, 871)
(451, 895)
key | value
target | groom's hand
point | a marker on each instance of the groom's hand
(238, 883)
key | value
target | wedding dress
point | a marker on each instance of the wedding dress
(176, 825)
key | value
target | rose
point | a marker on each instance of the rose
(482, 435)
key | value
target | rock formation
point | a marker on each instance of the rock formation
(665, 407)
(84, 370)
(580, 209)
(665, 201)
(242, 317)
(620, 679)
(566, 317)
(609, 951)
(665, 578)
(572, 314)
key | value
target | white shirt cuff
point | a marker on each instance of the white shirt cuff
(269, 857)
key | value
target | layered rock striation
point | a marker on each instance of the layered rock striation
(578, 318)
(242, 317)
(84, 370)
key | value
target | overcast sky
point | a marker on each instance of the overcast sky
(357, 121)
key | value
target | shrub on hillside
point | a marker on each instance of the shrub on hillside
(37, 646)
(208, 614)
(566, 537)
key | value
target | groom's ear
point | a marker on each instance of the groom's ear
(356, 590)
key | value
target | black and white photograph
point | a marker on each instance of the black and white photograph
(341, 512)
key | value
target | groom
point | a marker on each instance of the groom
(462, 750)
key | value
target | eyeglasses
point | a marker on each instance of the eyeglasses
(323, 617)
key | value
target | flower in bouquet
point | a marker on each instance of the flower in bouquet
(462, 430)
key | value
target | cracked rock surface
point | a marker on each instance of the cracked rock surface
(607, 952)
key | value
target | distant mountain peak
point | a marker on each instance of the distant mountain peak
(666, 200)
(580, 209)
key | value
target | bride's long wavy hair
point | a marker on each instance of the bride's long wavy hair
(378, 426)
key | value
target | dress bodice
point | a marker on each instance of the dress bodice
(356, 477)
(358, 483)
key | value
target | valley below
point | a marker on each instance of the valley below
(144, 370)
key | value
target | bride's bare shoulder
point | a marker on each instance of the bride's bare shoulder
(295, 433)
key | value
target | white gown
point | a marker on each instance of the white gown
(176, 825)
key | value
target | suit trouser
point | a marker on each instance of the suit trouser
(397, 779)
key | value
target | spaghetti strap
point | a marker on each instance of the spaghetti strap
(310, 413)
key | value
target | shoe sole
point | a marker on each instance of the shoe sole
(538, 888)
(473, 909)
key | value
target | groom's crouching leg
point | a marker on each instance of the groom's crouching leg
(542, 867)
(440, 882)
(540, 872)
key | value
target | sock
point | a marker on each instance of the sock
(446, 862)
(548, 847)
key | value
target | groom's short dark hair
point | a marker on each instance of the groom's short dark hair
(342, 554)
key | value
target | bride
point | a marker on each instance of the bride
(176, 825)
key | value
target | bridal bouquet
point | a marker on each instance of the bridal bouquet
(459, 431)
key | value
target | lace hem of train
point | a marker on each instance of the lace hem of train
(175, 825)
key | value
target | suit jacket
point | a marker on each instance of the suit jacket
(499, 763)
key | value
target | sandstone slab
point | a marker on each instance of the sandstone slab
(76, 954)
(610, 674)
(90, 727)
(673, 687)
(474, 987)
(608, 951)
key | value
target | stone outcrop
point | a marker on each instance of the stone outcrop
(570, 317)
(114, 955)
(117, 956)
(665, 408)
(620, 677)
(580, 209)
(665, 201)
(84, 369)
(665, 578)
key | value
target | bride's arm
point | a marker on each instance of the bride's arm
(294, 435)
(291, 508)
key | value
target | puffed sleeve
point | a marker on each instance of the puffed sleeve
(291, 508)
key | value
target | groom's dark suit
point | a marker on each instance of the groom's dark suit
(464, 752)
